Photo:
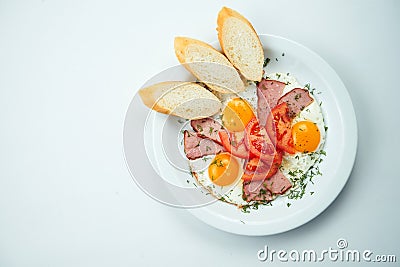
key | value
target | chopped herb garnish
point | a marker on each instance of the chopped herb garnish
(211, 130)
(283, 54)
(266, 61)
(205, 159)
(288, 204)
(198, 126)
(219, 163)
(255, 205)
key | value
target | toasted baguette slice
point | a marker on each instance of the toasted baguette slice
(208, 65)
(240, 43)
(188, 100)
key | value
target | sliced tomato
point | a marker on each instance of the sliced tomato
(257, 169)
(279, 128)
(259, 143)
(234, 143)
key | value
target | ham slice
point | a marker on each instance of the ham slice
(256, 191)
(268, 93)
(297, 99)
(278, 183)
(195, 146)
(208, 128)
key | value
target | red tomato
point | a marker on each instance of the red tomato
(258, 141)
(279, 128)
(257, 169)
(234, 143)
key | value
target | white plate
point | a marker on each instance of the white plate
(144, 133)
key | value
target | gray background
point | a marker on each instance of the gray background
(68, 70)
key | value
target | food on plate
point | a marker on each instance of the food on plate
(195, 146)
(188, 100)
(274, 157)
(223, 169)
(306, 136)
(268, 94)
(208, 65)
(237, 114)
(240, 43)
(247, 144)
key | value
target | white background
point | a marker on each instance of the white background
(68, 70)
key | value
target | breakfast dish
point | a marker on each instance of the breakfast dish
(221, 153)
(252, 159)
(260, 133)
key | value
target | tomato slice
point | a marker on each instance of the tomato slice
(234, 143)
(259, 143)
(257, 169)
(279, 128)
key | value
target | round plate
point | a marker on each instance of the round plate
(145, 133)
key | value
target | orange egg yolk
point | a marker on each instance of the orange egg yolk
(306, 136)
(223, 170)
(237, 114)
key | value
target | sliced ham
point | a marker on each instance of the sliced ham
(195, 146)
(207, 127)
(278, 183)
(268, 93)
(264, 189)
(297, 99)
(256, 191)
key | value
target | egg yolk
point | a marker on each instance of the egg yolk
(236, 115)
(306, 136)
(223, 170)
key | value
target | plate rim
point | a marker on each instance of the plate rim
(350, 139)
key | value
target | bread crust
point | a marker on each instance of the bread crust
(153, 95)
(182, 46)
(225, 14)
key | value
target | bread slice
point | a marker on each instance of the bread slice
(240, 43)
(188, 100)
(208, 65)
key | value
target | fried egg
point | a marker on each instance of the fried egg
(227, 185)
(312, 139)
